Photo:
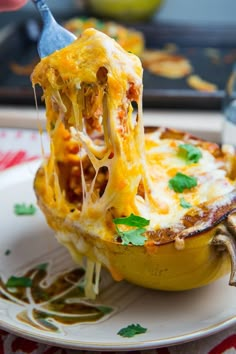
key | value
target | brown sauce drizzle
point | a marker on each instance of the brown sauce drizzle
(47, 306)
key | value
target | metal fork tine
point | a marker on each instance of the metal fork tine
(53, 36)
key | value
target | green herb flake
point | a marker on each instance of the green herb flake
(180, 182)
(7, 252)
(132, 330)
(132, 220)
(190, 153)
(100, 25)
(104, 309)
(23, 209)
(19, 282)
(52, 125)
(81, 285)
(184, 203)
(42, 266)
(134, 236)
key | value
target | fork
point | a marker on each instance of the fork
(53, 36)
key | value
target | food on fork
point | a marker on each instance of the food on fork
(145, 204)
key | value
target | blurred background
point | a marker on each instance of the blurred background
(187, 47)
(183, 11)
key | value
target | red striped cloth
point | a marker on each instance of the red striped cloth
(17, 146)
(12, 158)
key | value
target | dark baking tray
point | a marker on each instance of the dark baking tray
(19, 46)
(194, 43)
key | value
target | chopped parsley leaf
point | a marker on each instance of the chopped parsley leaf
(133, 236)
(81, 285)
(180, 182)
(42, 266)
(23, 209)
(184, 203)
(18, 282)
(104, 309)
(190, 153)
(132, 220)
(99, 25)
(7, 252)
(131, 330)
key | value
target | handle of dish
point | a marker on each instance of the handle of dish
(225, 239)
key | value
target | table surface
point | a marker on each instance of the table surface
(19, 142)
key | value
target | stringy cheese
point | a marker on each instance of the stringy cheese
(101, 165)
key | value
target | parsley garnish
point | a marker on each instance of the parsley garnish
(132, 220)
(42, 266)
(18, 282)
(184, 203)
(190, 153)
(81, 285)
(131, 330)
(7, 252)
(99, 25)
(134, 236)
(23, 209)
(104, 309)
(180, 182)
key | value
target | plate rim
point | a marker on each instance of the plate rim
(134, 345)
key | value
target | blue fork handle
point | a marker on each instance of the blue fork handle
(44, 11)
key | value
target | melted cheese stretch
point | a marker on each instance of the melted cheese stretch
(88, 89)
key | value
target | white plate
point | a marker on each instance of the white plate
(170, 318)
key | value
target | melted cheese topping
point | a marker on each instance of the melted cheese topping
(163, 162)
